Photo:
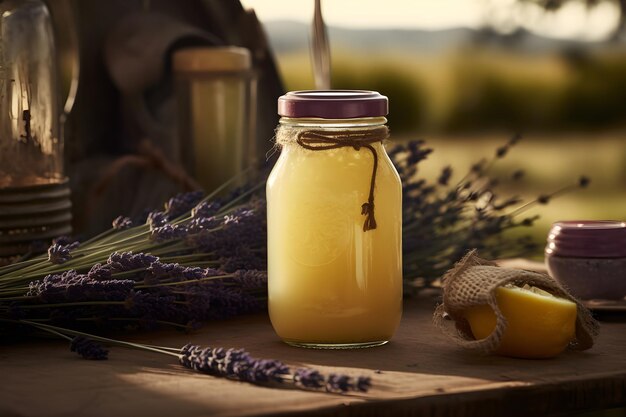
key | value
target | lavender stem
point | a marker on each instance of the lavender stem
(101, 339)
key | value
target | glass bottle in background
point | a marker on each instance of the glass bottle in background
(31, 151)
(34, 191)
(216, 94)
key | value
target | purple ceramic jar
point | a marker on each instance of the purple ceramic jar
(589, 258)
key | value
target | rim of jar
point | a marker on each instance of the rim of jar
(317, 122)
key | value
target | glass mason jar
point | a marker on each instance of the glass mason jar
(334, 210)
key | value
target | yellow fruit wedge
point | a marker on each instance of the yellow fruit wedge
(540, 325)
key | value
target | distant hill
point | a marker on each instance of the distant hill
(289, 37)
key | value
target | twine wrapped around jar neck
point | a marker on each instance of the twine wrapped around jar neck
(327, 139)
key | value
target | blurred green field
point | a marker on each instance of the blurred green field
(482, 89)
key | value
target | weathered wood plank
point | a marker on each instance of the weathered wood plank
(421, 373)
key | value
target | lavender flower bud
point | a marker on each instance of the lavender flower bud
(199, 224)
(162, 271)
(156, 219)
(205, 209)
(122, 223)
(250, 278)
(363, 383)
(583, 182)
(338, 383)
(59, 254)
(308, 378)
(444, 178)
(543, 199)
(168, 232)
(88, 349)
(266, 370)
(100, 272)
(502, 151)
(518, 175)
(67, 241)
(478, 167)
(416, 153)
(127, 261)
(235, 362)
(182, 203)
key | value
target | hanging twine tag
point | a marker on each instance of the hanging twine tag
(473, 282)
(322, 140)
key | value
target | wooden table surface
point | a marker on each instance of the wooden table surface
(418, 373)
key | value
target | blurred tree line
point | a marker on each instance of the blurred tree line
(483, 90)
(554, 5)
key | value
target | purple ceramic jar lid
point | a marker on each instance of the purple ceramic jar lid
(587, 239)
(333, 104)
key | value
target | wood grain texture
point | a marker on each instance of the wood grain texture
(418, 373)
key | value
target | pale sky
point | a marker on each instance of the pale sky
(572, 21)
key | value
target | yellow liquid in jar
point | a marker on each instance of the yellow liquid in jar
(331, 283)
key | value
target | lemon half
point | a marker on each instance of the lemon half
(540, 325)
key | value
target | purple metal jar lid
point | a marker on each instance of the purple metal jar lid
(587, 239)
(333, 104)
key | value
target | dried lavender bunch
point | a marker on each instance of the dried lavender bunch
(442, 221)
(163, 293)
(178, 268)
(188, 224)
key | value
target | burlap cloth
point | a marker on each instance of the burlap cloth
(473, 281)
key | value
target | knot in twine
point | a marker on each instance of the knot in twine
(324, 140)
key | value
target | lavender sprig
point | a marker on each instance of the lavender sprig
(239, 365)
(88, 349)
(71, 286)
